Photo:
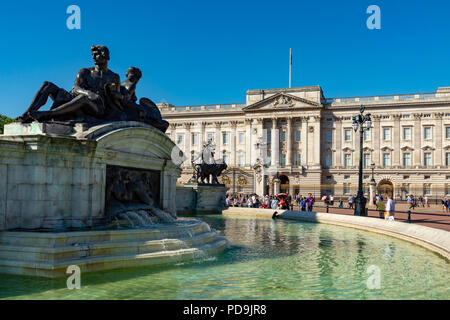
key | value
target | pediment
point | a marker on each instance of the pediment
(428, 148)
(406, 148)
(282, 101)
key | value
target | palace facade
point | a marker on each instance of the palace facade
(295, 140)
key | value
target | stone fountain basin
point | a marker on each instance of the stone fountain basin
(48, 254)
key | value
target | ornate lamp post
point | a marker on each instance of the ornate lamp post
(372, 183)
(363, 122)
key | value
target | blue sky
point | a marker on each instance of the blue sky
(208, 52)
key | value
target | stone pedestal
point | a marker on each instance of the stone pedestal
(197, 198)
(53, 175)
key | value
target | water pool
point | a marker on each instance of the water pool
(267, 260)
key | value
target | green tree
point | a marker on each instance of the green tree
(4, 120)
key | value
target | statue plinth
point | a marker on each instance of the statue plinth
(54, 175)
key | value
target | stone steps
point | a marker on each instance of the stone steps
(58, 239)
(64, 253)
(49, 254)
(100, 263)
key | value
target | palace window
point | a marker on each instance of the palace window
(225, 137)
(210, 136)
(346, 188)
(447, 189)
(386, 134)
(447, 158)
(347, 160)
(298, 159)
(225, 158)
(282, 160)
(366, 135)
(283, 136)
(427, 159)
(347, 135)
(269, 136)
(406, 133)
(297, 135)
(406, 159)
(386, 159)
(427, 133)
(241, 137)
(366, 160)
(241, 160)
(447, 132)
(406, 116)
(180, 139)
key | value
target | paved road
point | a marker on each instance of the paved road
(438, 220)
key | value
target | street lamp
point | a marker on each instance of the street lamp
(372, 165)
(363, 122)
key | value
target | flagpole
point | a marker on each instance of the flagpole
(290, 66)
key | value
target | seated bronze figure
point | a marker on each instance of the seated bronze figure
(97, 96)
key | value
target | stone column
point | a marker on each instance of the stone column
(417, 140)
(289, 142)
(305, 141)
(173, 128)
(218, 140)
(276, 185)
(337, 161)
(275, 144)
(376, 139)
(248, 142)
(233, 143)
(203, 137)
(396, 140)
(438, 154)
(317, 144)
(257, 131)
(187, 142)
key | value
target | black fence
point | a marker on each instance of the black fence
(402, 216)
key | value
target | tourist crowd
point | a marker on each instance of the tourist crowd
(281, 201)
(385, 207)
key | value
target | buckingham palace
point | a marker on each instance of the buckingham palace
(296, 140)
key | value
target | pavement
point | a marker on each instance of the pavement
(427, 216)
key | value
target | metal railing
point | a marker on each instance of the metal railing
(402, 216)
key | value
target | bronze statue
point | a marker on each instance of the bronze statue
(97, 96)
(91, 95)
(208, 166)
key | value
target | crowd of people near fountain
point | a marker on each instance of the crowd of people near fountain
(281, 201)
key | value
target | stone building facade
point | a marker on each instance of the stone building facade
(295, 140)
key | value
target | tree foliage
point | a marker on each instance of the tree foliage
(4, 120)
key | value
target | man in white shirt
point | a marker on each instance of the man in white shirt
(390, 207)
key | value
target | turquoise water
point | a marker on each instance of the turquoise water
(267, 260)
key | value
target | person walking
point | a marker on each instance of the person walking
(381, 208)
(390, 208)
(303, 203)
(310, 200)
(331, 200)
(350, 202)
(341, 203)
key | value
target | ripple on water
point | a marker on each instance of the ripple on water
(266, 260)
